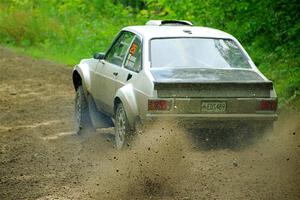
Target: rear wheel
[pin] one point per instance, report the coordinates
(249, 133)
(82, 118)
(262, 129)
(122, 129)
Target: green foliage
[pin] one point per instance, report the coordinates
(64, 30)
(68, 30)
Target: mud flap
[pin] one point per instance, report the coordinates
(98, 119)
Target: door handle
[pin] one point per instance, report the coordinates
(115, 73)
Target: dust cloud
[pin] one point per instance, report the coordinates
(151, 167)
(167, 162)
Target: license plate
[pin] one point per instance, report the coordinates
(213, 107)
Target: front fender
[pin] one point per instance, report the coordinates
(127, 96)
(83, 69)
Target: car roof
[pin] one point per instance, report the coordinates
(152, 31)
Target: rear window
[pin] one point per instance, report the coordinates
(196, 53)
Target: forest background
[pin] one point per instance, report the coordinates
(66, 31)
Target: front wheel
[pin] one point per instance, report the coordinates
(122, 129)
(82, 118)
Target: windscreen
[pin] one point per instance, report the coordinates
(196, 53)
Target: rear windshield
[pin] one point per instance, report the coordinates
(196, 53)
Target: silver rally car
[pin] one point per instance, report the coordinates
(171, 69)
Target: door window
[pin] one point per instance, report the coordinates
(134, 56)
(119, 49)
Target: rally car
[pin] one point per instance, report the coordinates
(171, 69)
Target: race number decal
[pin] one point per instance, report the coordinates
(133, 48)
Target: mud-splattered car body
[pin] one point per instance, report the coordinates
(175, 70)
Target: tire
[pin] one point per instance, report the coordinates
(82, 117)
(122, 128)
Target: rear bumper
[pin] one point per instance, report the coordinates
(215, 117)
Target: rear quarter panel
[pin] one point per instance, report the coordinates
(134, 96)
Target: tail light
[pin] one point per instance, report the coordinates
(158, 105)
(268, 105)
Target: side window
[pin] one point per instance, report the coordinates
(134, 56)
(119, 49)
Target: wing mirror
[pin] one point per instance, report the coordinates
(99, 56)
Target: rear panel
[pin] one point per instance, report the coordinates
(214, 100)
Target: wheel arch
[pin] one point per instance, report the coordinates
(81, 77)
(77, 80)
(126, 96)
(117, 101)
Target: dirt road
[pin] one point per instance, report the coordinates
(41, 157)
